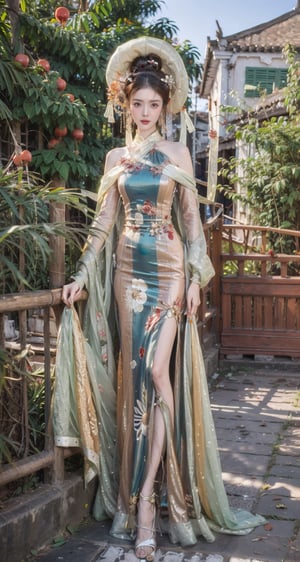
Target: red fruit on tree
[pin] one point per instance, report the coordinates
(52, 143)
(78, 134)
(17, 160)
(61, 84)
(22, 59)
(60, 131)
(26, 156)
(44, 63)
(71, 97)
(62, 14)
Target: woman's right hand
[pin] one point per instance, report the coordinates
(71, 293)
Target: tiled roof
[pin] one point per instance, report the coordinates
(268, 36)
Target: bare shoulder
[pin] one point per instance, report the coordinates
(113, 157)
(178, 153)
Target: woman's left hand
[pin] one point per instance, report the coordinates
(193, 299)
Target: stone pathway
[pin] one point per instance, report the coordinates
(116, 554)
(257, 418)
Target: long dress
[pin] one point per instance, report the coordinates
(148, 228)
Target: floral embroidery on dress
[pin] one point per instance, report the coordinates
(162, 227)
(137, 295)
(158, 170)
(101, 326)
(131, 165)
(140, 418)
(147, 208)
(104, 354)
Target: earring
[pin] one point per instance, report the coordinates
(162, 124)
(128, 128)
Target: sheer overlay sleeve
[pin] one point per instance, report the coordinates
(199, 264)
(200, 268)
(99, 232)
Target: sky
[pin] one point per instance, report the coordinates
(196, 19)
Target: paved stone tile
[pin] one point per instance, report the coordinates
(242, 434)
(294, 548)
(75, 550)
(285, 486)
(261, 545)
(285, 471)
(237, 484)
(292, 433)
(287, 460)
(253, 426)
(234, 559)
(264, 415)
(113, 554)
(249, 465)
(289, 448)
(273, 505)
(242, 447)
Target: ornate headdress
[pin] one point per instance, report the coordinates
(173, 69)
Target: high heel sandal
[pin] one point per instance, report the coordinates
(150, 542)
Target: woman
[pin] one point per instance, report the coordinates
(148, 220)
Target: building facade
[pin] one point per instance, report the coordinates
(237, 69)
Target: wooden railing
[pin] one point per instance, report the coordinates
(260, 311)
(51, 458)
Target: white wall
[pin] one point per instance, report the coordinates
(228, 87)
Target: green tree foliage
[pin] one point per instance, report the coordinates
(269, 177)
(77, 52)
(32, 108)
(25, 223)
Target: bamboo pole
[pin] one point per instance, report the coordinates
(28, 466)
(47, 375)
(2, 335)
(57, 243)
(37, 299)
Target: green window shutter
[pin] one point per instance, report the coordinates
(258, 79)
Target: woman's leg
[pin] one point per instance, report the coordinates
(163, 388)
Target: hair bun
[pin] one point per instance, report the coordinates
(146, 63)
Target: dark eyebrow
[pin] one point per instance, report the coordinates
(138, 99)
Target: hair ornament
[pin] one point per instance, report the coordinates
(116, 100)
(141, 63)
(169, 80)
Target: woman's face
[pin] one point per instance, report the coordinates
(145, 107)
